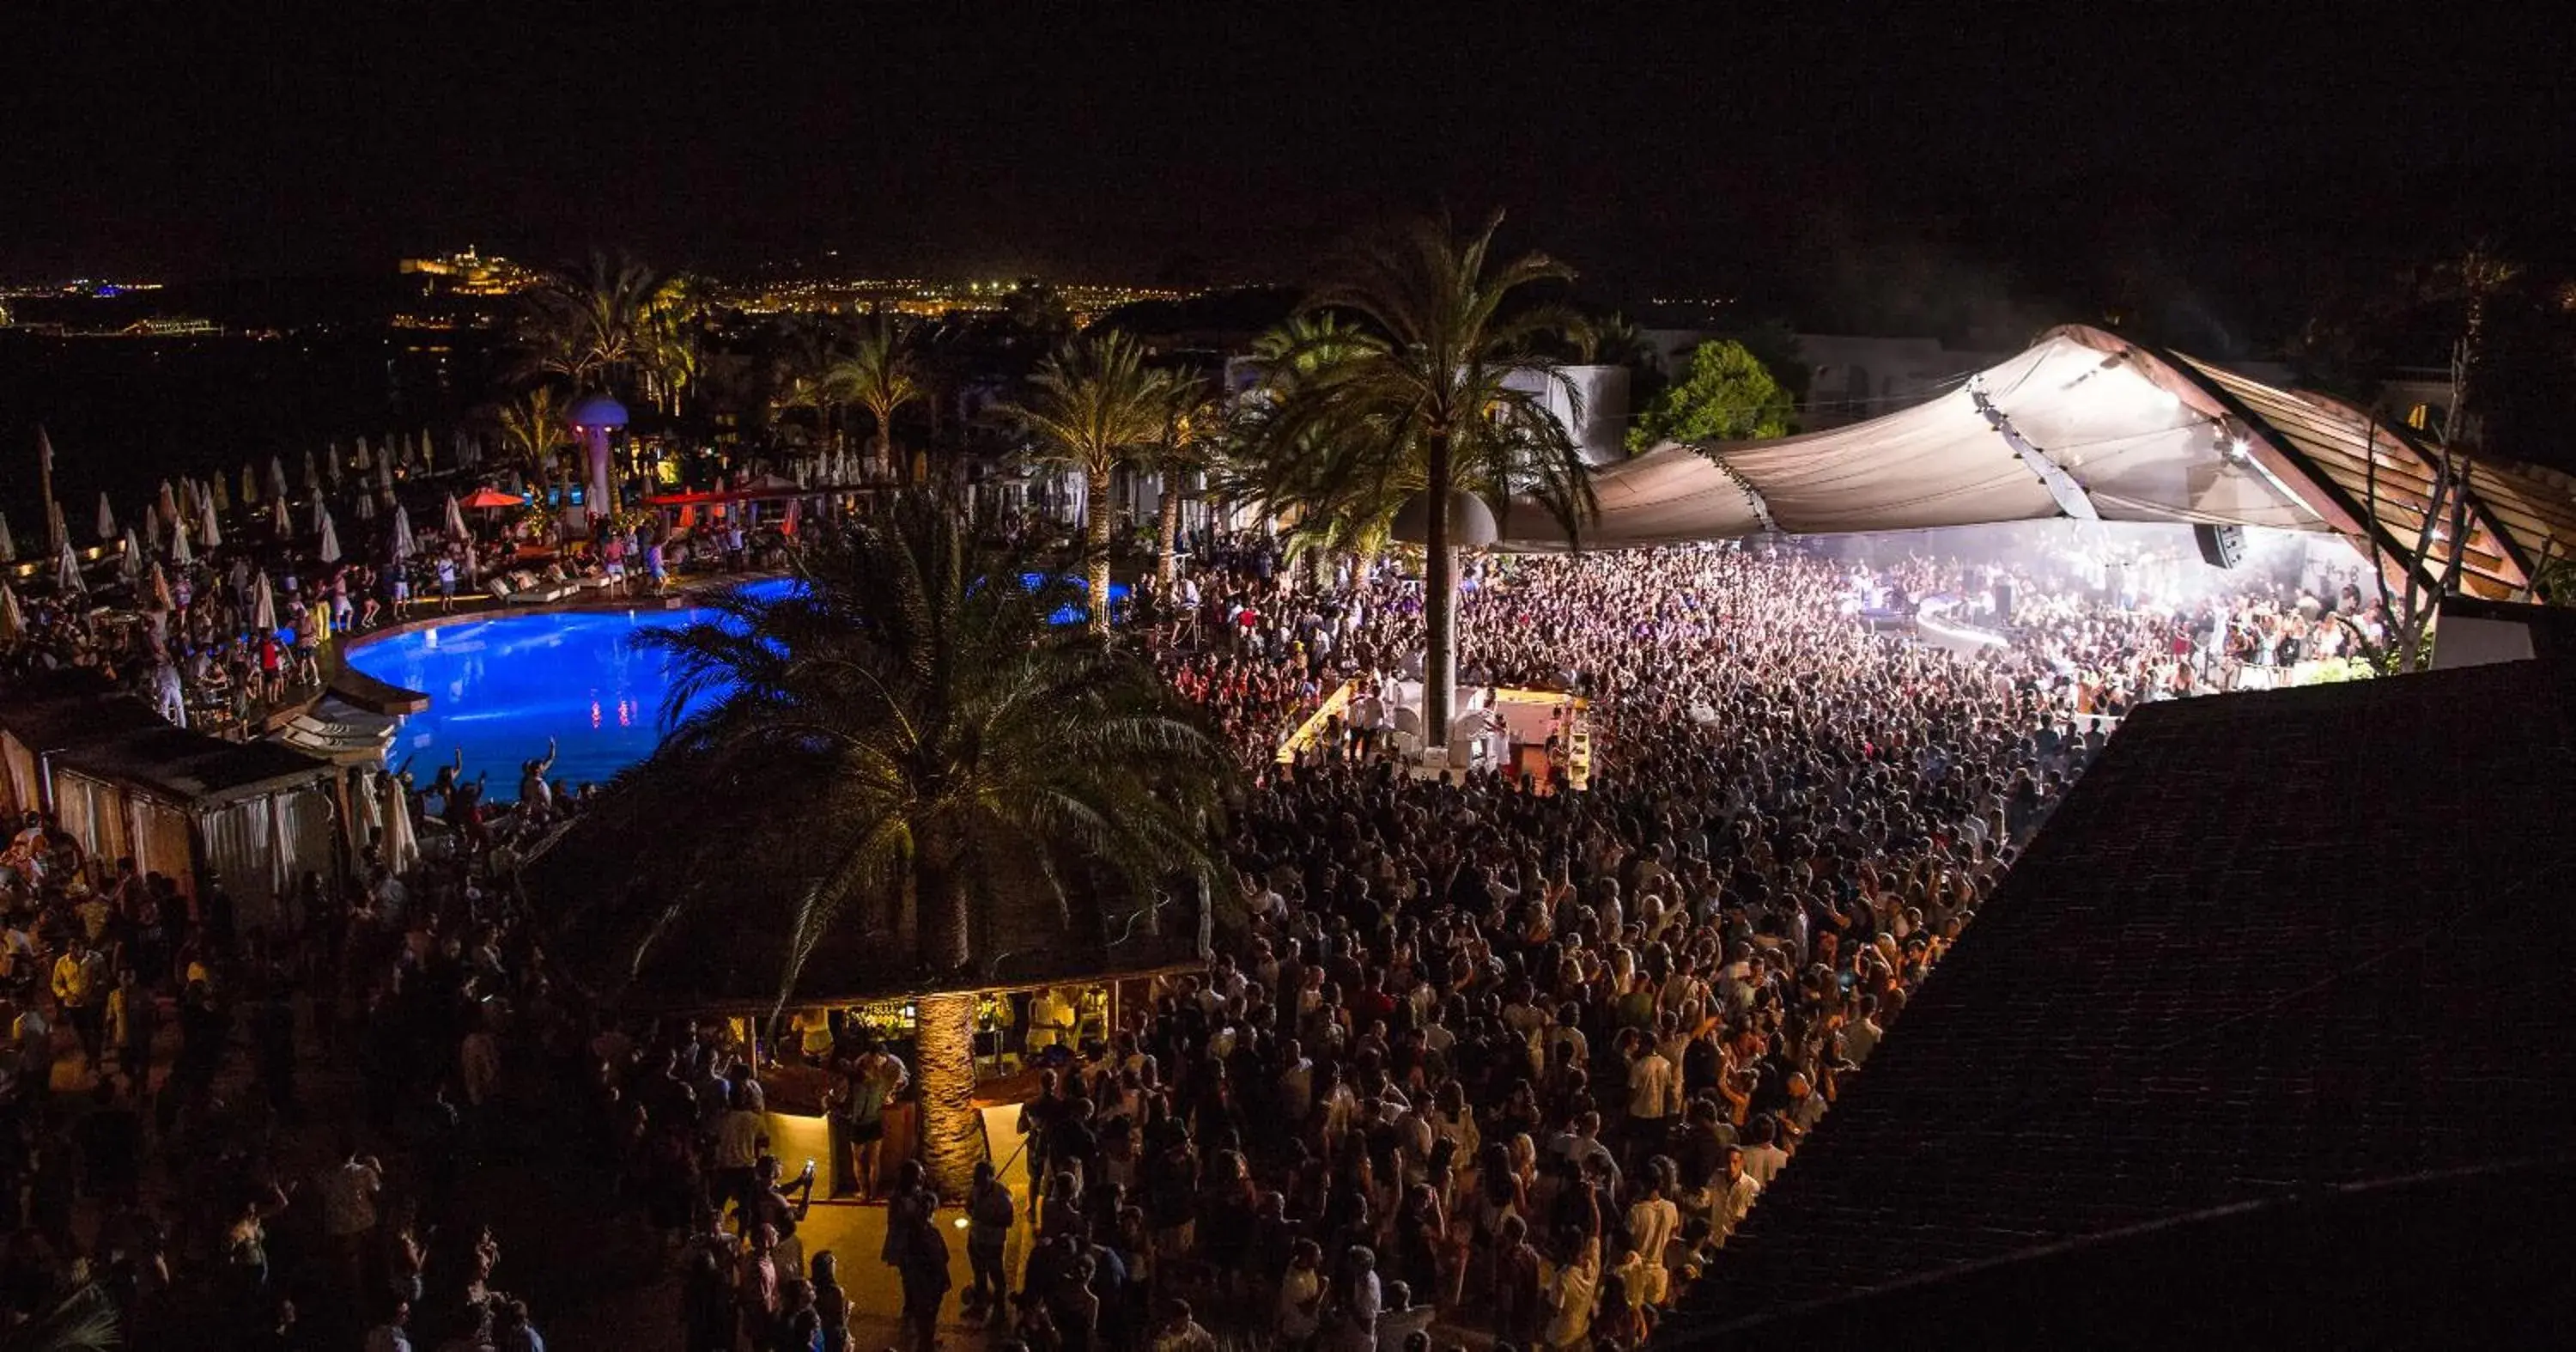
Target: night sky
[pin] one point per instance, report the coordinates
(2072, 158)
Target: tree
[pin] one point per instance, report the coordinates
(877, 376)
(1193, 426)
(599, 327)
(807, 370)
(917, 727)
(1419, 403)
(1728, 395)
(1096, 404)
(533, 429)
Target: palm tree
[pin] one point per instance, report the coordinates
(878, 377)
(1193, 428)
(916, 726)
(1096, 403)
(806, 371)
(1420, 403)
(597, 326)
(533, 429)
(84, 1320)
(1276, 471)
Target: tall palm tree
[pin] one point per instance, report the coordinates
(1279, 471)
(1421, 401)
(805, 372)
(532, 430)
(1194, 427)
(597, 326)
(1096, 404)
(877, 375)
(910, 724)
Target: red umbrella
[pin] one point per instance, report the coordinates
(491, 497)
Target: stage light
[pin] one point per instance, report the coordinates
(2237, 446)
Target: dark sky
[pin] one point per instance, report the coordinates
(2077, 150)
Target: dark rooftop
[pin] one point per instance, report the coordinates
(2272, 946)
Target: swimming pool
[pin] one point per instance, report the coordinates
(499, 687)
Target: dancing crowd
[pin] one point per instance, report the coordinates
(1476, 1056)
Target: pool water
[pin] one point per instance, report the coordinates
(499, 687)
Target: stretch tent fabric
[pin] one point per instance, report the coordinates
(2088, 425)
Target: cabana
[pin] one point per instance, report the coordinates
(259, 815)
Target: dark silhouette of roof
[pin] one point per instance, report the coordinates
(2272, 946)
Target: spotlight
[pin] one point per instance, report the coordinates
(2237, 446)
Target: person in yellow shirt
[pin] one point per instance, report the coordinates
(80, 986)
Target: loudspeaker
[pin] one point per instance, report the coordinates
(2003, 600)
(2220, 546)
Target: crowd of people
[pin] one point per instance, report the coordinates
(1475, 1054)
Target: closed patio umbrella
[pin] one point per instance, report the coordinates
(428, 451)
(179, 552)
(67, 573)
(263, 603)
(8, 543)
(161, 589)
(366, 506)
(321, 513)
(276, 478)
(209, 534)
(329, 551)
(385, 471)
(167, 503)
(133, 561)
(402, 534)
(312, 474)
(401, 844)
(106, 520)
(250, 485)
(366, 804)
(362, 460)
(455, 518)
(331, 465)
(216, 494)
(13, 621)
(277, 518)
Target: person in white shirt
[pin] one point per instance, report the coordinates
(1654, 1094)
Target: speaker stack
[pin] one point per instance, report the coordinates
(2220, 546)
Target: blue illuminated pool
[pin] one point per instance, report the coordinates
(498, 688)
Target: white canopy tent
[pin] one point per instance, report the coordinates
(2089, 426)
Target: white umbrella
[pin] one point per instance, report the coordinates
(209, 534)
(263, 603)
(312, 475)
(161, 589)
(401, 846)
(216, 494)
(133, 556)
(402, 534)
(362, 455)
(187, 499)
(331, 466)
(366, 810)
(455, 518)
(428, 451)
(8, 543)
(250, 485)
(366, 506)
(106, 520)
(321, 513)
(385, 470)
(67, 574)
(276, 478)
(167, 504)
(13, 621)
(277, 517)
(180, 554)
(329, 552)
(56, 531)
